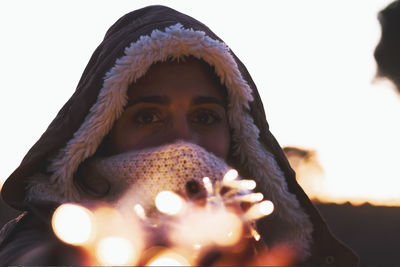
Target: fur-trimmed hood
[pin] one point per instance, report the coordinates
(130, 47)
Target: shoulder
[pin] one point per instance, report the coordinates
(8, 228)
(29, 239)
(21, 235)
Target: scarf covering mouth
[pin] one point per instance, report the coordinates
(141, 174)
(136, 41)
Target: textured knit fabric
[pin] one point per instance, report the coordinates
(135, 42)
(145, 173)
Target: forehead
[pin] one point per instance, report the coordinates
(177, 78)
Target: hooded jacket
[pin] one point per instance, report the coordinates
(135, 42)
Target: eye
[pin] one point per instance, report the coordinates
(146, 117)
(206, 117)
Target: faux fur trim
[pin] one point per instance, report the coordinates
(175, 42)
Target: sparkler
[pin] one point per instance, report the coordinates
(182, 223)
(230, 175)
(208, 185)
(139, 210)
(252, 197)
(259, 210)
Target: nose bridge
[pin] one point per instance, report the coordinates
(180, 127)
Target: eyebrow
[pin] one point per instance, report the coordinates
(165, 100)
(208, 100)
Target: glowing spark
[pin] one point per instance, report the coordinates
(248, 184)
(169, 259)
(242, 184)
(208, 185)
(228, 229)
(215, 226)
(253, 197)
(72, 224)
(231, 175)
(266, 207)
(259, 210)
(255, 234)
(140, 211)
(115, 251)
(169, 203)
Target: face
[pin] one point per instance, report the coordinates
(174, 101)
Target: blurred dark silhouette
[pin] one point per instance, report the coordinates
(372, 231)
(380, 226)
(387, 52)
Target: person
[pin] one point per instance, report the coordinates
(386, 52)
(162, 100)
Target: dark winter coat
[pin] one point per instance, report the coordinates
(130, 46)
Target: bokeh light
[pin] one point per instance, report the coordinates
(169, 203)
(140, 212)
(241, 184)
(115, 250)
(228, 229)
(201, 227)
(208, 185)
(255, 234)
(72, 224)
(169, 258)
(231, 175)
(248, 184)
(259, 210)
(252, 197)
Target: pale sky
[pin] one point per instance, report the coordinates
(311, 60)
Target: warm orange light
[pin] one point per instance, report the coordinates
(184, 233)
(119, 227)
(228, 229)
(259, 210)
(115, 250)
(231, 175)
(255, 234)
(200, 227)
(241, 184)
(266, 207)
(169, 259)
(212, 226)
(252, 197)
(139, 210)
(169, 203)
(208, 185)
(248, 184)
(72, 224)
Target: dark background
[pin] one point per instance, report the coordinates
(373, 232)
